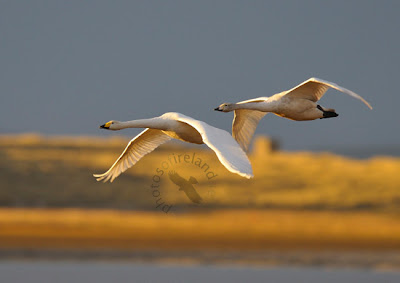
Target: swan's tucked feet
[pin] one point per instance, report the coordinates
(327, 113)
(298, 103)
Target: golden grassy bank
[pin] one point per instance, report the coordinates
(57, 172)
(222, 229)
(295, 200)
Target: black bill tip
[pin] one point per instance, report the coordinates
(217, 109)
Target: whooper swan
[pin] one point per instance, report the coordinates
(178, 126)
(298, 103)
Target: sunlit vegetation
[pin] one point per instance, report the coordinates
(57, 172)
(295, 200)
(221, 229)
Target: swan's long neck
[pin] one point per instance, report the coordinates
(153, 123)
(264, 106)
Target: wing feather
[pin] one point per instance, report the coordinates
(244, 125)
(139, 146)
(258, 99)
(314, 88)
(229, 153)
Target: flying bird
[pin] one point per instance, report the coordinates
(298, 103)
(186, 186)
(178, 126)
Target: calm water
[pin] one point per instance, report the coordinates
(70, 271)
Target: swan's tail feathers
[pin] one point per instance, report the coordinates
(327, 113)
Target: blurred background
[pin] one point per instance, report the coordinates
(326, 193)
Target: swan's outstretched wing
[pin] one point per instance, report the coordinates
(258, 99)
(244, 125)
(314, 88)
(139, 146)
(225, 147)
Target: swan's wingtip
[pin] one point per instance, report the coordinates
(367, 103)
(247, 175)
(99, 177)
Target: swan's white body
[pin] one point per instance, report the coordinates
(175, 125)
(298, 103)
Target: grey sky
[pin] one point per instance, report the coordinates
(68, 66)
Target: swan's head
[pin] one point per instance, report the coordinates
(225, 107)
(112, 125)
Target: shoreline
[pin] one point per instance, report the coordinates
(217, 232)
(372, 260)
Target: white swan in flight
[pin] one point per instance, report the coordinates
(178, 126)
(298, 103)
